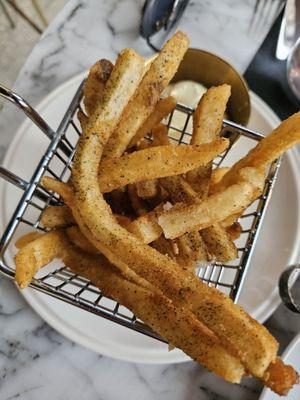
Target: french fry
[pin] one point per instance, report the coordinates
(95, 83)
(234, 230)
(37, 254)
(62, 188)
(192, 247)
(216, 175)
(145, 98)
(219, 244)
(83, 119)
(57, 217)
(207, 125)
(179, 327)
(146, 228)
(286, 135)
(179, 189)
(137, 203)
(147, 189)
(160, 135)
(155, 162)
(77, 238)
(27, 238)
(162, 109)
(215, 208)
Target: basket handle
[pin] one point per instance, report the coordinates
(27, 109)
(285, 290)
(38, 121)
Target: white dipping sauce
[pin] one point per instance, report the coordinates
(187, 93)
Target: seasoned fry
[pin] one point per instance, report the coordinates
(95, 83)
(57, 217)
(136, 202)
(146, 228)
(219, 243)
(38, 253)
(147, 189)
(286, 135)
(180, 328)
(207, 125)
(62, 188)
(192, 246)
(145, 98)
(215, 208)
(27, 238)
(280, 377)
(179, 189)
(162, 109)
(234, 230)
(77, 238)
(156, 162)
(216, 175)
(83, 119)
(160, 135)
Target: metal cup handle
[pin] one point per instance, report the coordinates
(285, 290)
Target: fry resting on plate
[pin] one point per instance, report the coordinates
(144, 254)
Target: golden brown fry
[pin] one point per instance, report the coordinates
(77, 238)
(57, 217)
(192, 246)
(162, 109)
(137, 203)
(207, 125)
(286, 135)
(280, 377)
(95, 83)
(160, 135)
(123, 220)
(147, 189)
(179, 189)
(180, 328)
(231, 219)
(156, 162)
(83, 119)
(216, 175)
(161, 71)
(146, 228)
(250, 341)
(27, 238)
(234, 230)
(62, 188)
(219, 243)
(215, 208)
(38, 253)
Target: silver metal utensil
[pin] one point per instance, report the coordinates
(287, 33)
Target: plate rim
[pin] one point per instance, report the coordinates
(54, 320)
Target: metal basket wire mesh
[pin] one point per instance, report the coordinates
(59, 281)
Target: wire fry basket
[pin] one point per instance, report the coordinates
(57, 280)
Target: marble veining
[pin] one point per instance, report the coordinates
(35, 361)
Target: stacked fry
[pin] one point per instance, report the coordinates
(140, 213)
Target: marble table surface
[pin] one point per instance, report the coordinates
(35, 361)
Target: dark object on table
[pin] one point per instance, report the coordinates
(285, 290)
(158, 14)
(266, 76)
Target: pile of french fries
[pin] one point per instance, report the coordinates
(139, 213)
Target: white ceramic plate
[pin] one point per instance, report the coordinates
(276, 249)
(290, 356)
